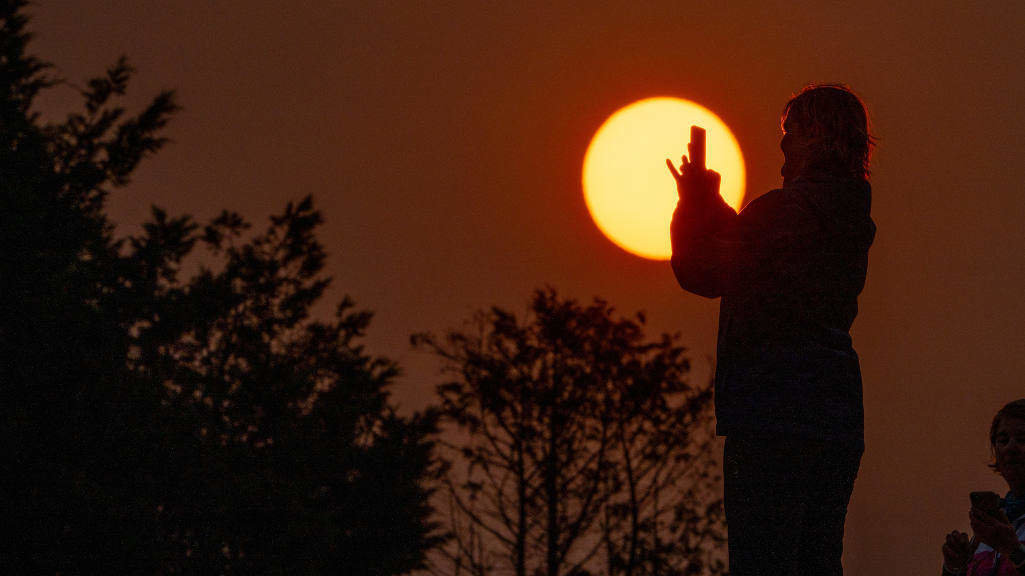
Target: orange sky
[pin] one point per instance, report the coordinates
(444, 145)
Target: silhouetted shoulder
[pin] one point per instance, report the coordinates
(763, 202)
(773, 213)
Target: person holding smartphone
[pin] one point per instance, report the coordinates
(788, 392)
(998, 547)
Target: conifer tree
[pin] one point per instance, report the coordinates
(158, 421)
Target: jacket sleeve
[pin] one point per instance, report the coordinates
(703, 246)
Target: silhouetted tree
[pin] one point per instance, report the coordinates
(579, 447)
(75, 422)
(161, 422)
(306, 467)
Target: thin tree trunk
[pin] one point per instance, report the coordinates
(521, 527)
(634, 506)
(552, 497)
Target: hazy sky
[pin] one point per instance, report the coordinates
(444, 140)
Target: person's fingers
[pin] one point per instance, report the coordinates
(672, 168)
(951, 555)
(982, 517)
(998, 516)
(958, 546)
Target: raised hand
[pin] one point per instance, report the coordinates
(995, 531)
(695, 185)
(958, 551)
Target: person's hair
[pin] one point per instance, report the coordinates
(1016, 410)
(835, 119)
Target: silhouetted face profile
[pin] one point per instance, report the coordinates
(825, 131)
(1009, 448)
(797, 148)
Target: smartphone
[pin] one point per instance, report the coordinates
(988, 502)
(696, 148)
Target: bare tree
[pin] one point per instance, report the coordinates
(577, 447)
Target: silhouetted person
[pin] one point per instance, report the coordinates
(788, 395)
(998, 548)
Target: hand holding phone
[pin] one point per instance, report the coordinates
(991, 526)
(695, 184)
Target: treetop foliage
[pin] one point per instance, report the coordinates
(581, 446)
(173, 406)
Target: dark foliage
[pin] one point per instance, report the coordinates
(158, 421)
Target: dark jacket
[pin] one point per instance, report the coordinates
(789, 269)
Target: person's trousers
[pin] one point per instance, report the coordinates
(786, 502)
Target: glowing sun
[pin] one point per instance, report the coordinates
(629, 192)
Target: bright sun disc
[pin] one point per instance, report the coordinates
(628, 188)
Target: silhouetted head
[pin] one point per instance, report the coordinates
(825, 129)
(1007, 442)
